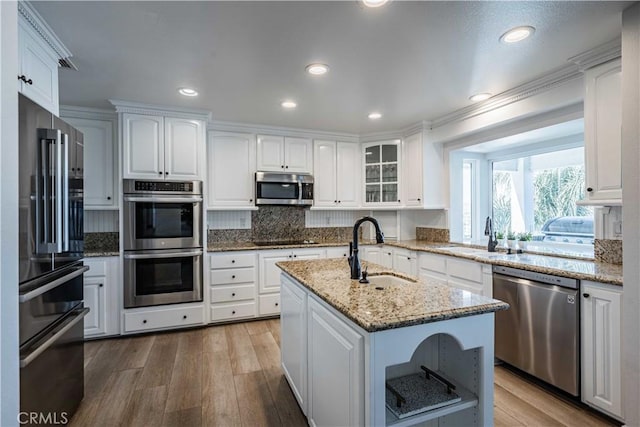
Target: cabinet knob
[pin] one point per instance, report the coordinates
(295, 256)
(233, 294)
(166, 173)
(286, 167)
(233, 312)
(339, 201)
(250, 200)
(100, 285)
(233, 261)
(276, 304)
(409, 258)
(144, 321)
(398, 200)
(418, 199)
(335, 201)
(159, 173)
(282, 166)
(108, 197)
(289, 256)
(184, 317)
(589, 189)
(24, 79)
(233, 276)
(73, 169)
(586, 295)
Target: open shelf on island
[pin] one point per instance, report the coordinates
(468, 400)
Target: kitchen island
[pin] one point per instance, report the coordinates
(344, 344)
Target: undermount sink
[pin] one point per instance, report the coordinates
(384, 280)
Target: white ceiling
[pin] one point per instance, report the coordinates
(411, 61)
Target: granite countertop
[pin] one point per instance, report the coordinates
(565, 267)
(395, 306)
(250, 246)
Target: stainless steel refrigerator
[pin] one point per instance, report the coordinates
(50, 251)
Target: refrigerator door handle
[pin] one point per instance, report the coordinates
(48, 218)
(70, 323)
(28, 296)
(59, 219)
(64, 195)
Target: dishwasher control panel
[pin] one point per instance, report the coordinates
(565, 282)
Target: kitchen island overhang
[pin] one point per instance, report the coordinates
(342, 341)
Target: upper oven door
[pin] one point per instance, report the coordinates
(162, 222)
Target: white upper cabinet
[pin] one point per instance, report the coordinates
(336, 176)
(231, 167)
(99, 169)
(412, 170)
(422, 170)
(381, 167)
(159, 147)
(602, 134)
(284, 154)
(38, 68)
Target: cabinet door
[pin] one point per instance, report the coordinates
(386, 257)
(412, 170)
(601, 352)
(271, 153)
(298, 155)
(39, 66)
(324, 160)
(231, 167)
(143, 146)
(336, 370)
(269, 272)
(382, 173)
(98, 156)
(341, 252)
(183, 148)
(293, 339)
(308, 254)
(95, 299)
(371, 254)
(404, 261)
(348, 185)
(602, 136)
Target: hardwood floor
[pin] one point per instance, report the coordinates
(230, 375)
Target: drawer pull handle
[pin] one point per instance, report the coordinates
(233, 294)
(144, 321)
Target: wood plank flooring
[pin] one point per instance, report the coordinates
(230, 375)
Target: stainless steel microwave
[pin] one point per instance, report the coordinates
(274, 188)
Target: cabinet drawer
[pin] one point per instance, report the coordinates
(96, 268)
(433, 263)
(171, 317)
(233, 275)
(467, 270)
(233, 311)
(269, 304)
(474, 287)
(232, 260)
(232, 293)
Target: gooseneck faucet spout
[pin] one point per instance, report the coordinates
(488, 231)
(354, 260)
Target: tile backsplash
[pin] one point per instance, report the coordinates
(433, 234)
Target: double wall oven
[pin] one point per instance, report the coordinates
(163, 248)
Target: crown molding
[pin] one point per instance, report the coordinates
(598, 55)
(396, 134)
(224, 126)
(551, 80)
(87, 113)
(158, 110)
(40, 26)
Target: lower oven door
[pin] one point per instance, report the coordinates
(162, 277)
(52, 372)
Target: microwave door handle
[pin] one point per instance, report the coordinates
(300, 192)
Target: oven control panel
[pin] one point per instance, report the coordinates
(186, 187)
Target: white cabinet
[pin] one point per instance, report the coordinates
(231, 167)
(284, 154)
(338, 252)
(405, 261)
(335, 371)
(270, 273)
(293, 339)
(163, 317)
(381, 172)
(38, 68)
(101, 286)
(232, 290)
(161, 147)
(601, 347)
(461, 273)
(378, 254)
(337, 177)
(422, 173)
(602, 133)
(432, 268)
(100, 176)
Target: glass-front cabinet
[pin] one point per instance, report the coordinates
(382, 172)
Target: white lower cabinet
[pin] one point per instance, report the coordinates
(601, 347)
(379, 254)
(156, 318)
(338, 252)
(269, 304)
(101, 284)
(465, 274)
(293, 339)
(232, 290)
(405, 261)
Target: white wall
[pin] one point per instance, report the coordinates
(631, 213)
(9, 380)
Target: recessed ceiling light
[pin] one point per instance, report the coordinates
(517, 34)
(374, 116)
(289, 104)
(374, 3)
(187, 91)
(480, 97)
(317, 69)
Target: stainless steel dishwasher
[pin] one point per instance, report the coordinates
(540, 333)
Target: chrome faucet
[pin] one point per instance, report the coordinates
(354, 262)
(488, 231)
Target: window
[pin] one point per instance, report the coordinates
(538, 194)
(467, 199)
